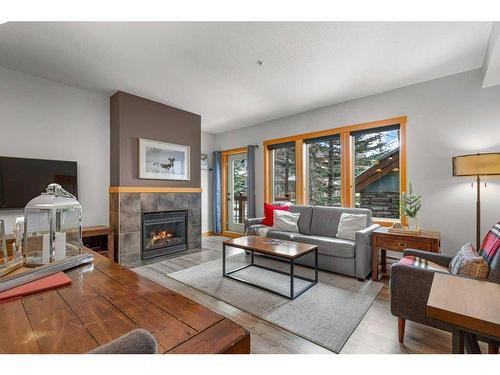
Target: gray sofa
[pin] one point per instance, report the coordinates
(318, 226)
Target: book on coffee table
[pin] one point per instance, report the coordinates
(53, 281)
(273, 241)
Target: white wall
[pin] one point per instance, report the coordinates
(446, 117)
(47, 120)
(207, 147)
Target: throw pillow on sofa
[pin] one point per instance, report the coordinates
(349, 224)
(286, 221)
(268, 213)
(469, 263)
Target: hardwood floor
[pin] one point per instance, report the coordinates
(376, 333)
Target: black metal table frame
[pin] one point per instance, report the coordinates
(292, 275)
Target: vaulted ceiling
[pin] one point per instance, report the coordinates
(211, 68)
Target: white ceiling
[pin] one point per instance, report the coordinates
(211, 68)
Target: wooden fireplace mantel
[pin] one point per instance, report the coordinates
(146, 189)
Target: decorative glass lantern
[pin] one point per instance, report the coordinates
(19, 235)
(52, 227)
(8, 262)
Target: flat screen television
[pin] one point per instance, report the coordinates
(22, 179)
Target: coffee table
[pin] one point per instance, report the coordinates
(287, 251)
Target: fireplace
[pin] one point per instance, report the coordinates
(163, 233)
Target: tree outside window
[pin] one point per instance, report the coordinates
(283, 166)
(376, 170)
(324, 184)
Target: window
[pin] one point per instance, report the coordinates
(282, 161)
(376, 170)
(323, 171)
(360, 165)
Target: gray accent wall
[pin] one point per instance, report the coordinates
(131, 118)
(446, 117)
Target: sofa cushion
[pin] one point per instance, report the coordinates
(349, 224)
(333, 247)
(286, 221)
(281, 235)
(268, 212)
(304, 223)
(325, 220)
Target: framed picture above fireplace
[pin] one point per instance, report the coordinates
(163, 161)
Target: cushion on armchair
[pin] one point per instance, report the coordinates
(469, 263)
(422, 263)
(490, 251)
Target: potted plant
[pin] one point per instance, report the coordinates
(410, 204)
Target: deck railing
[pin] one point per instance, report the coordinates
(240, 205)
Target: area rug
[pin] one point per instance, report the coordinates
(327, 314)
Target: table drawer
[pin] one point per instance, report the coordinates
(402, 244)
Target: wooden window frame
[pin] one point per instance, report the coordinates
(346, 161)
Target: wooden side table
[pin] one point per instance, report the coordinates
(100, 238)
(383, 240)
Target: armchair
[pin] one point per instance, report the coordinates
(410, 288)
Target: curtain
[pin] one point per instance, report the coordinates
(251, 180)
(216, 195)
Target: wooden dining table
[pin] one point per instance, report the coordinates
(471, 306)
(105, 301)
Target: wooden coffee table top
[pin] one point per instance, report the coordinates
(105, 301)
(285, 249)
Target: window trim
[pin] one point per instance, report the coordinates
(346, 160)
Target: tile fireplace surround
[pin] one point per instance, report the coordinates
(126, 209)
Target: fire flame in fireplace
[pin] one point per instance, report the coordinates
(161, 234)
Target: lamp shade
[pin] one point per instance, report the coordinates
(486, 164)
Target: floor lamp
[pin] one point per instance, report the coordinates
(487, 164)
